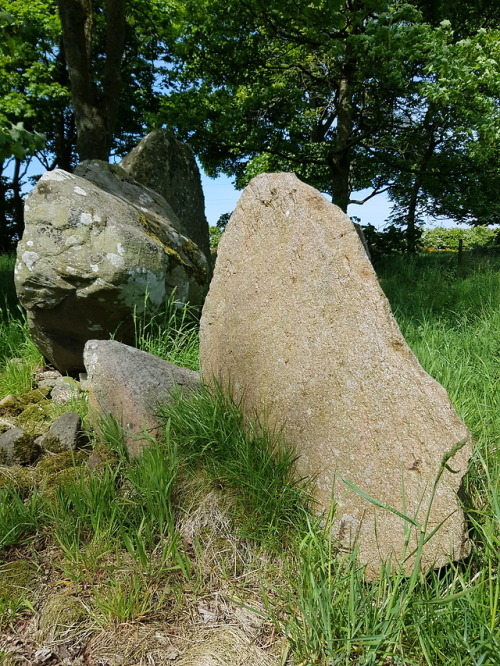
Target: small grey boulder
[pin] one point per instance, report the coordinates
(64, 434)
(18, 448)
(130, 384)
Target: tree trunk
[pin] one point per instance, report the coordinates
(5, 244)
(64, 122)
(340, 156)
(95, 109)
(17, 202)
(412, 232)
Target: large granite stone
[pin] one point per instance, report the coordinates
(90, 259)
(298, 328)
(168, 167)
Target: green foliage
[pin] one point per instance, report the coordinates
(19, 517)
(215, 236)
(18, 354)
(384, 97)
(442, 238)
(391, 240)
(28, 76)
(18, 142)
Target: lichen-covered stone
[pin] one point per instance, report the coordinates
(296, 326)
(168, 166)
(64, 390)
(89, 261)
(18, 448)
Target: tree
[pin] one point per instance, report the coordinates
(349, 94)
(95, 102)
(111, 49)
(26, 47)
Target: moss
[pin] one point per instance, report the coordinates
(53, 444)
(59, 470)
(148, 227)
(25, 451)
(193, 252)
(10, 405)
(102, 456)
(35, 418)
(50, 465)
(58, 614)
(36, 395)
(23, 479)
(19, 581)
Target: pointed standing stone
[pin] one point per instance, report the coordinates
(297, 325)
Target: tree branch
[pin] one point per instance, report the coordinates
(370, 196)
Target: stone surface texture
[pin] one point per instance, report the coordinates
(168, 166)
(116, 181)
(296, 324)
(89, 259)
(65, 434)
(130, 384)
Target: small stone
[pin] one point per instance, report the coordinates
(17, 447)
(64, 434)
(47, 375)
(64, 390)
(47, 382)
(130, 384)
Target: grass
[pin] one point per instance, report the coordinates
(18, 354)
(213, 508)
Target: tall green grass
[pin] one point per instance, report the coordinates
(212, 436)
(171, 333)
(18, 354)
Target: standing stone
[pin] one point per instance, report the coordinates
(168, 166)
(296, 324)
